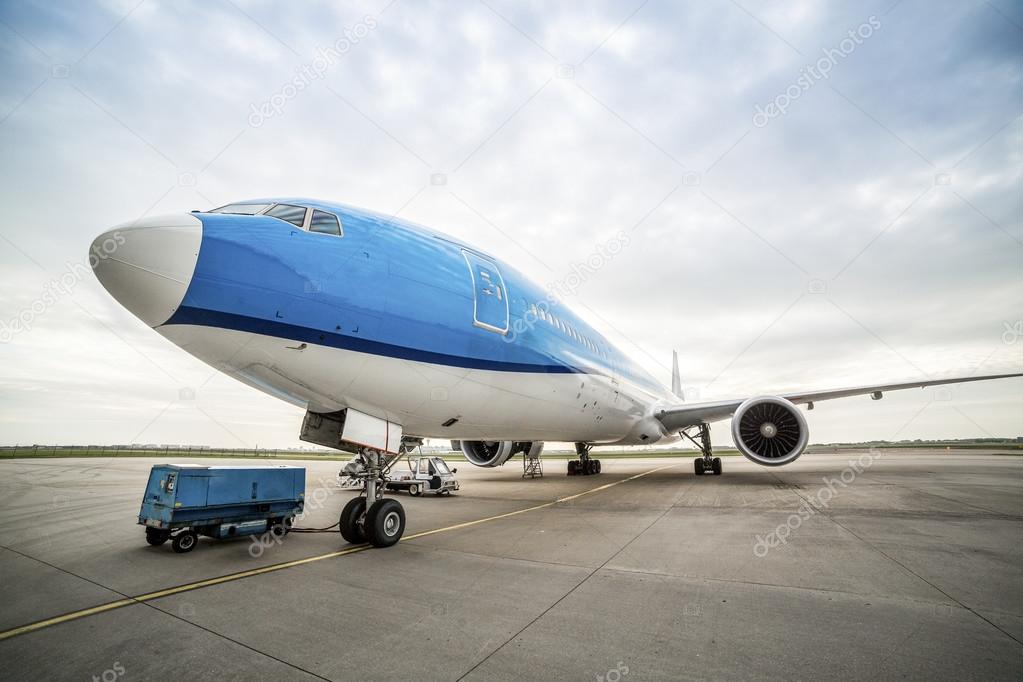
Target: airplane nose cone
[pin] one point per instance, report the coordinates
(148, 264)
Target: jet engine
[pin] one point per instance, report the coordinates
(769, 430)
(494, 453)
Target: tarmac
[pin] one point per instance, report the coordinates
(902, 564)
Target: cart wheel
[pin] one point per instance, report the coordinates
(414, 490)
(385, 522)
(157, 536)
(351, 531)
(185, 541)
(281, 527)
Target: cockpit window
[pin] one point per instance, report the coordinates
(241, 209)
(319, 221)
(288, 213)
(324, 222)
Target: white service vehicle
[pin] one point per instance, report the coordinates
(425, 474)
(350, 474)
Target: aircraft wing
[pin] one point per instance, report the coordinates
(680, 416)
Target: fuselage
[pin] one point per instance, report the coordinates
(404, 323)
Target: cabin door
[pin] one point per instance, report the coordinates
(490, 298)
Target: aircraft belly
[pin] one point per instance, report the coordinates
(420, 396)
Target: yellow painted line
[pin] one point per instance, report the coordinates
(230, 577)
(529, 509)
(149, 596)
(75, 615)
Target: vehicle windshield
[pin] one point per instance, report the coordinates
(441, 465)
(241, 209)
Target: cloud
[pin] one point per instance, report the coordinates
(894, 184)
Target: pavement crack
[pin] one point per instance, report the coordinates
(800, 588)
(167, 613)
(481, 555)
(826, 513)
(566, 595)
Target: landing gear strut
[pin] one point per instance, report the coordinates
(372, 518)
(707, 464)
(584, 466)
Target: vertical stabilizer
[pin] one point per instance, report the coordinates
(676, 380)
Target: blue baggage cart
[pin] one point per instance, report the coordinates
(184, 501)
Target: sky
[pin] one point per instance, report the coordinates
(817, 195)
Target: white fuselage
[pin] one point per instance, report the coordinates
(489, 405)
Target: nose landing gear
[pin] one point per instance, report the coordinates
(372, 518)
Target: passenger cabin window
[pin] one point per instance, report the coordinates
(241, 209)
(326, 223)
(288, 213)
(541, 313)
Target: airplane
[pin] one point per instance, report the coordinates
(386, 333)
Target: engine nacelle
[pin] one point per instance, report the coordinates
(494, 453)
(769, 430)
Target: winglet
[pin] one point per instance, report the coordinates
(676, 380)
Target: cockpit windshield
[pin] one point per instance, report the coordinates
(303, 217)
(289, 214)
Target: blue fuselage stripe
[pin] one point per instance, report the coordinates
(211, 318)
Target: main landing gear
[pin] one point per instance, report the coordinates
(584, 466)
(371, 517)
(707, 464)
